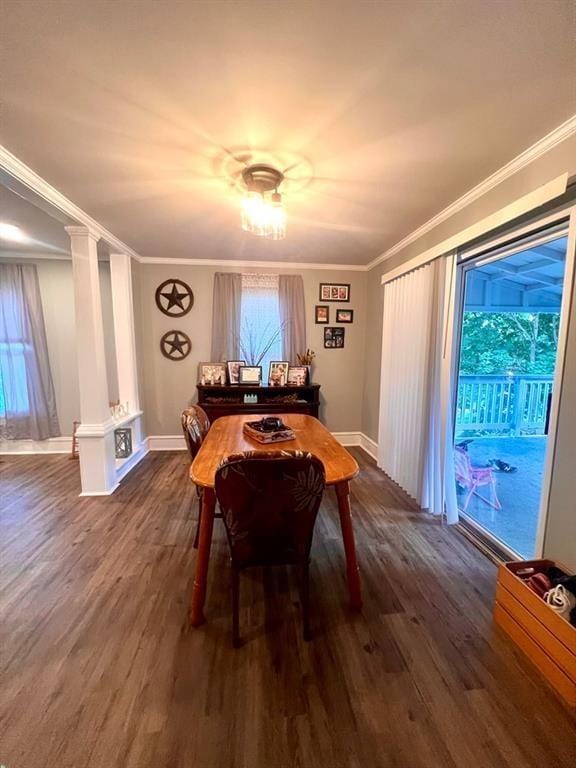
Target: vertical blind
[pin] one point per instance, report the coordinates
(415, 436)
(408, 308)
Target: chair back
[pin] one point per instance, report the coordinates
(269, 502)
(195, 425)
(462, 467)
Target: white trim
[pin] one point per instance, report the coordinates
(541, 147)
(22, 447)
(87, 494)
(99, 430)
(566, 310)
(519, 207)
(124, 466)
(26, 176)
(166, 443)
(231, 263)
(369, 446)
(56, 256)
(349, 439)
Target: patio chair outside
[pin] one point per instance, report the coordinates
(471, 478)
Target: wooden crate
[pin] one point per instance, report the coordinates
(546, 638)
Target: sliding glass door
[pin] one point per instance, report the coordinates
(509, 335)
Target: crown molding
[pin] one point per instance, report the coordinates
(32, 255)
(26, 176)
(541, 147)
(231, 263)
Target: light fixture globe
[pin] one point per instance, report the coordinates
(263, 213)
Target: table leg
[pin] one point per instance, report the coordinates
(203, 558)
(352, 571)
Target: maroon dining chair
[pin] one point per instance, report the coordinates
(269, 501)
(195, 425)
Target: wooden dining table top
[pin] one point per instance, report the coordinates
(226, 437)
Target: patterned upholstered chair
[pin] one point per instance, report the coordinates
(195, 425)
(269, 502)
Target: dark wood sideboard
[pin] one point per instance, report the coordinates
(228, 400)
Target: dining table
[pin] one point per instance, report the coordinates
(226, 437)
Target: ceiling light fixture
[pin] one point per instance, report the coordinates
(262, 210)
(12, 232)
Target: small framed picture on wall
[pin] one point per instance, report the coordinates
(334, 338)
(344, 315)
(322, 314)
(334, 291)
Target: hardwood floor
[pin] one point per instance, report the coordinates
(99, 669)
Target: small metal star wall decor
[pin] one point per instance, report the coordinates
(174, 297)
(175, 345)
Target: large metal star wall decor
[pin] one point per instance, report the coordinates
(175, 345)
(174, 297)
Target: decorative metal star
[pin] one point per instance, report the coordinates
(175, 345)
(174, 298)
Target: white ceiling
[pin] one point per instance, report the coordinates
(391, 109)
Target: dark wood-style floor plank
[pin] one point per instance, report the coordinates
(100, 670)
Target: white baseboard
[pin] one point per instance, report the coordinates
(369, 445)
(88, 494)
(349, 439)
(166, 443)
(21, 447)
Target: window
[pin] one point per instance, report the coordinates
(13, 389)
(260, 324)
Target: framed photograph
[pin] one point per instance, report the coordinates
(322, 314)
(234, 370)
(278, 373)
(298, 375)
(334, 338)
(344, 315)
(250, 374)
(334, 292)
(212, 374)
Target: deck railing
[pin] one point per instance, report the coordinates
(507, 404)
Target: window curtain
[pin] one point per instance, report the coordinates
(438, 485)
(226, 316)
(292, 316)
(415, 437)
(29, 402)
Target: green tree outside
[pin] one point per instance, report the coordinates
(509, 343)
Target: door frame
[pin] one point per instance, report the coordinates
(550, 227)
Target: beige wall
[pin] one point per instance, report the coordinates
(168, 386)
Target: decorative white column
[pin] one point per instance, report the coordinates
(124, 335)
(126, 361)
(95, 433)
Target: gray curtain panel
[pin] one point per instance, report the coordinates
(25, 377)
(292, 316)
(226, 316)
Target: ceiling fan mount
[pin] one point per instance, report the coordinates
(262, 178)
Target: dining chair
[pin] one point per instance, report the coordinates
(269, 502)
(195, 425)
